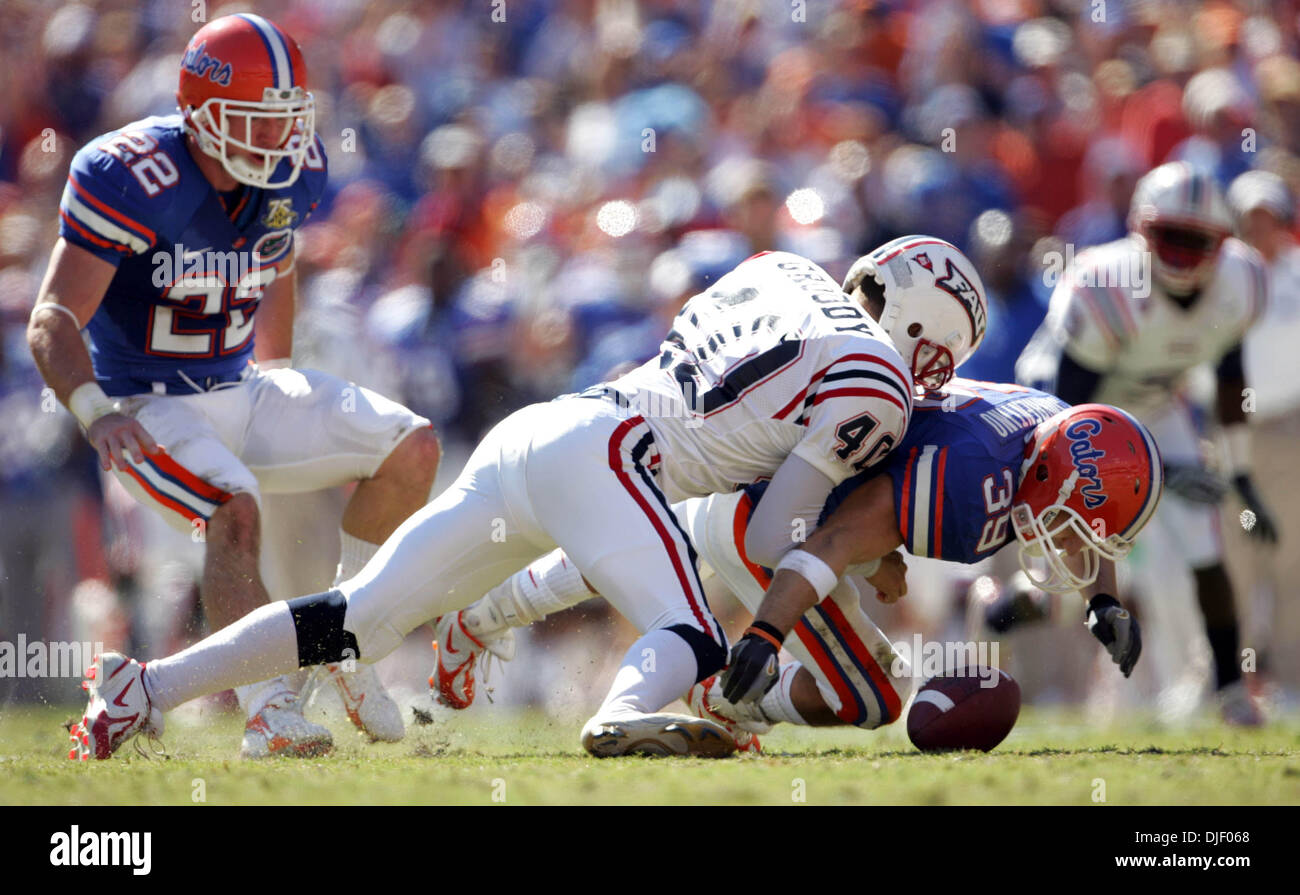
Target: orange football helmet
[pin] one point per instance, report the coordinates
(243, 93)
(1092, 470)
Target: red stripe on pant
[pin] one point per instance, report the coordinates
(203, 489)
(172, 504)
(848, 710)
(616, 464)
(893, 706)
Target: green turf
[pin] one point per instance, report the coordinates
(1049, 759)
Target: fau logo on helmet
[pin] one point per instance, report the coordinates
(956, 284)
(1084, 454)
(198, 62)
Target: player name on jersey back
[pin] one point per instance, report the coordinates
(772, 359)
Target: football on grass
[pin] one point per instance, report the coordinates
(972, 708)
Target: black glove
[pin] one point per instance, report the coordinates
(752, 668)
(1195, 483)
(1118, 631)
(1265, 529)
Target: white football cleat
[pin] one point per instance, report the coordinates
(458, 650)
(367, 703)
(663, 733)
(119, 708)
(705, 699)
(280, 729)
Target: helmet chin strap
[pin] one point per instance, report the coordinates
(1067, 487)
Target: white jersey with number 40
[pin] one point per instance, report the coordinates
(772, 359)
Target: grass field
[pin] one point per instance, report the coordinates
(482, 757)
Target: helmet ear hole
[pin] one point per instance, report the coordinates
(1041, 473)
(915, 330)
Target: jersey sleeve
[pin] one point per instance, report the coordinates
(953, 501)
(1246, 274)
(105, 209)
(1089, 322)
(855, 414)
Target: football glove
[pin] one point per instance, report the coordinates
(1194, 483)
(1264, 529)
(752, 667)
(1118, 631)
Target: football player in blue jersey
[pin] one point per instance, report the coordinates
(176, 256)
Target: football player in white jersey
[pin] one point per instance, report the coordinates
(928, 299)
(774, 371)
(1115, 335)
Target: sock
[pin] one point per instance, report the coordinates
(1223, 645)
(260, 646)
(776, 703)
(254, 697)
(657, 669)
(353, 556)
(545, 586)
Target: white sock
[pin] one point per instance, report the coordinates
(254, 697)
(545, 586)
(657, 669)
(260, 646)
(776, 703)
(353, 557)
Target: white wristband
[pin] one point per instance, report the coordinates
(88, 403)
(813, 570)
(277, 363)
(1236, 448)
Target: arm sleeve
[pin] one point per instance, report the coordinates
(1232, 367)
(1075, 383)
(791, 507)
(104, 209)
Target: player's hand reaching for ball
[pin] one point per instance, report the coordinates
(752, 667)
(1118, 631)
(113, 435)
(890, 580)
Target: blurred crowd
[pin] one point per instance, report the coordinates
(523, 192)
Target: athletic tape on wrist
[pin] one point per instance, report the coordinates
(813, 570)
(88, 403)
(277, 363)
(1236, 448)
(865, 569)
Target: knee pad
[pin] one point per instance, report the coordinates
(710, 656)
(318, 621)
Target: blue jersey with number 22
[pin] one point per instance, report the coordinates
(191, 266)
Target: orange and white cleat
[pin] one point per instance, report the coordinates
(280, 730)
(458, 651)
(705, 699)
(119, 708)
(367, 703)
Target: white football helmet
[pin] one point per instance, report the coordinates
(1179, 213)
(936, 309)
